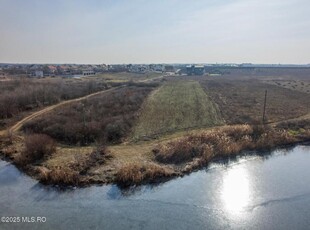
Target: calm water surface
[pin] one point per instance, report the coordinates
(252, 192)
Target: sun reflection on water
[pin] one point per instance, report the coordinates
(235, 192)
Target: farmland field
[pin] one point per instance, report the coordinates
(175, 106)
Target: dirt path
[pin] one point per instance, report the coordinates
(34, 115)
(19, 124)
(306, 116)
(151, 79)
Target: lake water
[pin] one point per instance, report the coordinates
(251, 192)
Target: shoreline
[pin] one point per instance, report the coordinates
(151, 171)
(218, 160)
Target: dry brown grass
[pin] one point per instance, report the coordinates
(242, 101)
(108, 116)
(226, 141)
(297, 85)
(295, 125)
(133, 164)
(75, 170)
(24, 94)
(125, 76)
(138, 173)
(61, 176)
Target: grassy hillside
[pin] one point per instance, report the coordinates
(176, 106)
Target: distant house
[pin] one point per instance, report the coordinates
(88, 72)
(158, 68)
(38, 73)
(52, 69)
(137, 68)
(169, 68)
(195, 70)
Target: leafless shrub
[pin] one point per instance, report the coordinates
(37, 146)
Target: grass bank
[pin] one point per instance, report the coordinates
(175, 106)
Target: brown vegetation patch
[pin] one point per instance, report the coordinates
(62, 177)
(37, 146)
(223, 142)
(138, 173)
(22, 94)
(106, 117)
(299, 128)
(297, 85)
(74, 172)
(295, 124)
(242, 101)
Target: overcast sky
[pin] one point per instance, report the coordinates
(155, 31)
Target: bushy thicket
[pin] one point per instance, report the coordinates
(106, 117)
(26, 94)
(37, 146)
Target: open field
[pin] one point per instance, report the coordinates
(241, 101)
(175, 106)
(262, 73)
(297, 85)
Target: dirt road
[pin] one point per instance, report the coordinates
(19, 124)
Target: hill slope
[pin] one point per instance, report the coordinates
(176, 106)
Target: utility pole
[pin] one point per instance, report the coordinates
(84, 120)
(264, 113)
